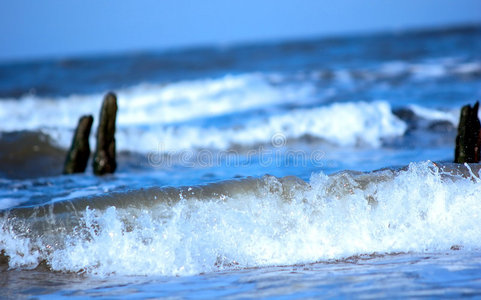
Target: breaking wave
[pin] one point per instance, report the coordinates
(249, 223)
(183, 115)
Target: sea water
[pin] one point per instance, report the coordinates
(291, 169)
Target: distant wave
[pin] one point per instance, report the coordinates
(147, 104)
(235, 110)
(346, 124)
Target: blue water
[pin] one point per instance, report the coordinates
(402, 275)
(190, 213)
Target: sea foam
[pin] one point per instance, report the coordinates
(263, 222)
(346, 124)
(147, 104)
(181, 115)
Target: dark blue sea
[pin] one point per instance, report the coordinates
(318, 168)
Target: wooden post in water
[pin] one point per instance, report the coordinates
(104, 157)
(468, 140)
(78, 155)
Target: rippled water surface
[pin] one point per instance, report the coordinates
(451, 274)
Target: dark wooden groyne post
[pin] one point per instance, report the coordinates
(79, 152)
(104, 157)
(468, 140)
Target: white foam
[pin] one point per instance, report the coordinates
(430, 69)
(344, 124)
(468, 68)
(394, 68)
(432, 114)
(147, 104)
(182, 101)
(152, 117)
(6, 203)
(341, 215)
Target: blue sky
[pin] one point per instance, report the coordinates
(59, 28)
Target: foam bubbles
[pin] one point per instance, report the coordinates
(417, 210)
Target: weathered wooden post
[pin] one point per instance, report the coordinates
(468, 140)
(79, 152)
(104, 157)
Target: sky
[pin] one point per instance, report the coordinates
(32, 29)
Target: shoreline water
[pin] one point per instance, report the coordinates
(192, 120)
(376, 275)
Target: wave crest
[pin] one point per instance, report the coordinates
(250, 223)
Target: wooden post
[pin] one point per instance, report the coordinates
(78, 155)
(468, 140)
(104, 157)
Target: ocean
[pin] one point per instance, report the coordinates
(315, 168)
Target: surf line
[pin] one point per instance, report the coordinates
(467, 149)
(104, 161)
